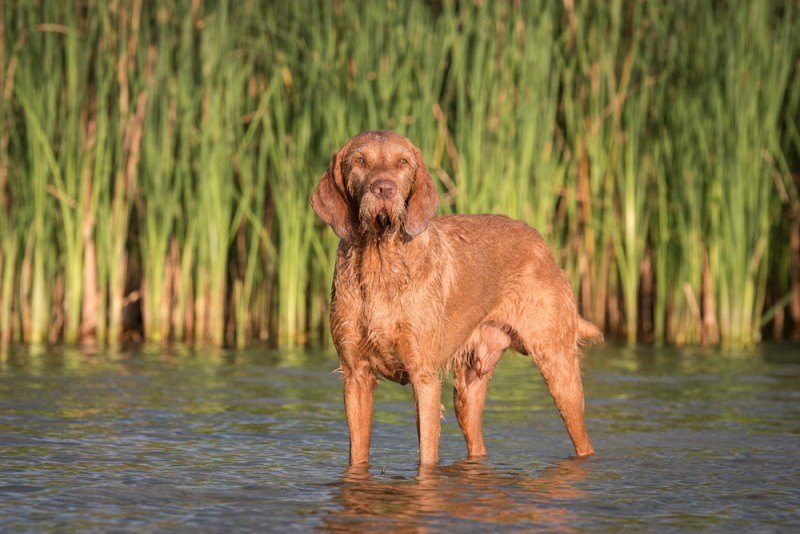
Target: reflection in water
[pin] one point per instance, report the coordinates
(471, 491)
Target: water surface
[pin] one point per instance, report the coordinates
(178, 439)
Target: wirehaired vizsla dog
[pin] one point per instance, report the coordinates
(415, 295)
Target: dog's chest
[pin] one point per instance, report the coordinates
(392, 298)
(384, 325)
(383, 322)
(384, 280)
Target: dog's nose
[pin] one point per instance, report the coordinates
(384, 189)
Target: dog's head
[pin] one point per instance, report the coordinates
(376, 184)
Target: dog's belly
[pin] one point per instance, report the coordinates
(390, 368)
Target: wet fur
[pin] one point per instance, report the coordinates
(415, 295)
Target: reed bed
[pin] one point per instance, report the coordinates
(156, 158)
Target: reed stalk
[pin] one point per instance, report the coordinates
(222, 81)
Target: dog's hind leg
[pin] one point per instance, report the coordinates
(469, 396)
(471, 380)
(562, 374)
(550, 333)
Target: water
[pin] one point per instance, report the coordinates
(154, 440)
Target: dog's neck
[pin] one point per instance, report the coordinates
(387, 263)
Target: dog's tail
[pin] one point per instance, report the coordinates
(588, 333)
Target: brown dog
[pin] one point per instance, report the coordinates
(414, 295)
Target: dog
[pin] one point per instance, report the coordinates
(416, 295)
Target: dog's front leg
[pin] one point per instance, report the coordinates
(428, 399)
(359, 395)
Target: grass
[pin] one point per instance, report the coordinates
(156, 158)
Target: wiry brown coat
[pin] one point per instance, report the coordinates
(414, 295)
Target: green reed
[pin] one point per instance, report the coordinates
(156, 158)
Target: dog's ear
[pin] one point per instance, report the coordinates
(423, 200)
(330, 202)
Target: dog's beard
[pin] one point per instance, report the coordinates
(383, 221)
(380, 217)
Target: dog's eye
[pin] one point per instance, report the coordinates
(403, 161)
(360, 160)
